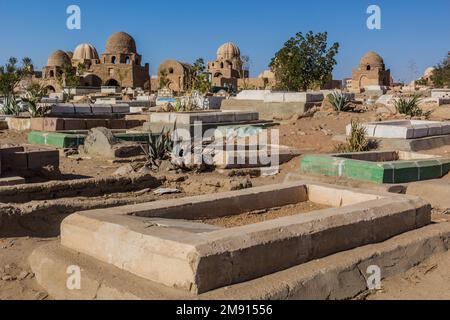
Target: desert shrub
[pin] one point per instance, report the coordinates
(357, 142)
(409, 106)
(158, 148)
(11, 107)
(340, 101)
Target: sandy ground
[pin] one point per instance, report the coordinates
(16, 279)
(312, 135)
(264, 215)
(428, 281)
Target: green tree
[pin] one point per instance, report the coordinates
(200, 77)
(441, 74)
(10, 76)
(81, 69)
(67, 78)
(304, 61)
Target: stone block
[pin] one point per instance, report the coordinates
(114, 124)
(275, 97)
(53, 124)
(63, 109)
(96, 123)
(102, 109)
(120, 108)
(40, 159)
(37, 124)
(18, 124)
(14, 161)
(83, 109)
(74, 124)
(131, 124)
(258, 95)
(11, 181)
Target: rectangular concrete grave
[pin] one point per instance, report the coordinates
(441, 93)
(71, 109)
(304, 97)
(378, 166)
(252, 156)
(20, 160)
(315, 280)
(206, 117)
(142, 240)
(269, 110)
(196, 123)
(405, 129)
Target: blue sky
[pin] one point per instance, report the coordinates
(413, 31)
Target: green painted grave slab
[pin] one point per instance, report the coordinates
(401, 171)
(68, 140)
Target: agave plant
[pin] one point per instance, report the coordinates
(339, 101)
(409, 106)
(178, 107)
(11, 107)
(158, 148)
(33, 97)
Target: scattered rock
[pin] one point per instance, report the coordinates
(41, 296)
(101, 143)
(8, 277)
(124, 170)
(141, 192)
(240, 184)
(23, 275)
(163, 191)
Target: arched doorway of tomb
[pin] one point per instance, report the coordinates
(112, 83)
(50, 89)
(91, 80)
(363, 82)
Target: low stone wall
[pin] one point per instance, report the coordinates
(76, 188)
